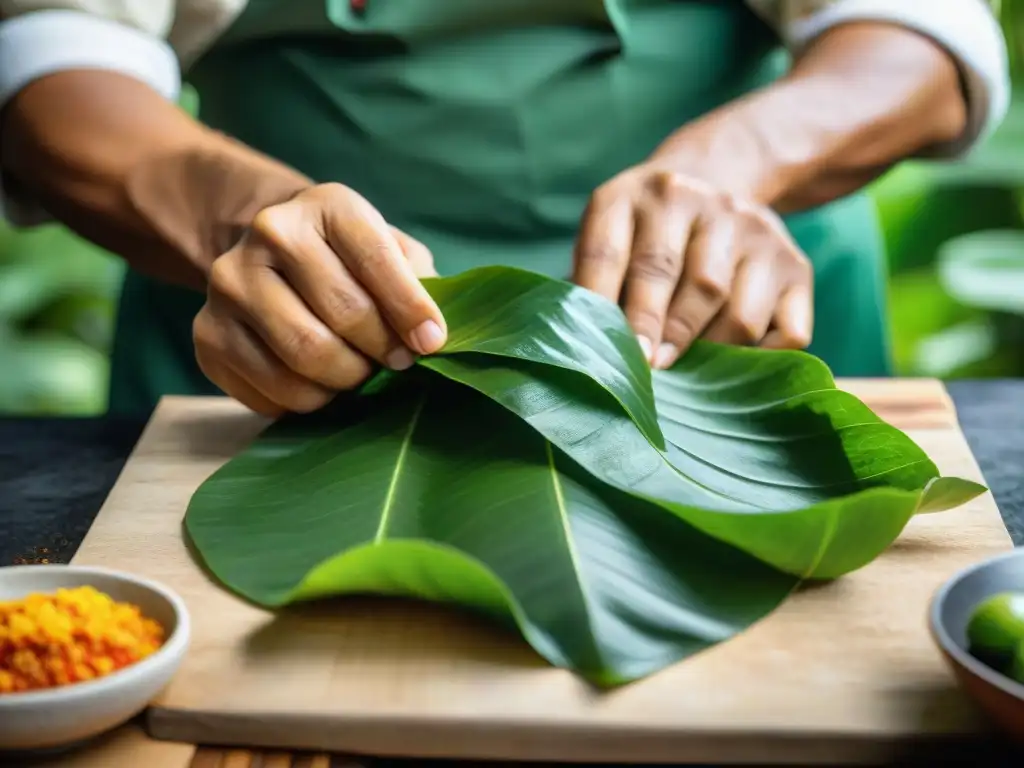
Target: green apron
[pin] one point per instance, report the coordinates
(481, 127)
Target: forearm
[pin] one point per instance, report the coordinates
(127, 169)
(861, 98)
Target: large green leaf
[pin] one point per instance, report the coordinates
(546, 503)
(763, 452)
(513, 313)
(446, 496)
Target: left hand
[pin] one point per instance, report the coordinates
(687, 260)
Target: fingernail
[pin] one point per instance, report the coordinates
(666, 355)
(399, 359)
(645, 345)
(428, 337)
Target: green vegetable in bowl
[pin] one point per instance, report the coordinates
(1016, 670)
(996, 629)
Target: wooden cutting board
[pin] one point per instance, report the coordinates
(130, 747)
(841, 673)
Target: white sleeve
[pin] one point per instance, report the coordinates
(968, 29)
(41, 38)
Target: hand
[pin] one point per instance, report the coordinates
(687, 260)
(318, 289)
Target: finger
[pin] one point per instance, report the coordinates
(748, 313)
(300, 340)
(793, 322)
(234, 386)
(709, 266)
(418, 255)
(655, 266)
(603, 247)
(237, 361)
(358, 233)
(323, 282)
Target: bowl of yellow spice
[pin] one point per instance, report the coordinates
(82, 650)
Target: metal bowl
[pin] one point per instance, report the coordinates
(998, 695)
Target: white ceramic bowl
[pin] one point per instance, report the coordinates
(65, 715)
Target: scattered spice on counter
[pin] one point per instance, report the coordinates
(59, 552)
(73, 635)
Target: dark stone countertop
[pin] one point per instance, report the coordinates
(54, 476)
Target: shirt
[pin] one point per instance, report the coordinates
(155, 40)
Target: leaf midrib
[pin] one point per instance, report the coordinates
(570, 546)
(389, 497)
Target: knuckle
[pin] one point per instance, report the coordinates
(802, 267)
(306, 348)
(370, 256)
(763, 221)
(603, 196)
(655, 266)
(645, 320)
(601, 254)
(224, 279)
(728, 202)
(205, 333)
(300, 249)
(740, 328)
(303, 398)
(680, 329)
(353, 373)
(271, 223)
(751, 218)
(329, 190)
(798, 340)
(321, 195)
(712, 288)
(669, 185)
(347, 311)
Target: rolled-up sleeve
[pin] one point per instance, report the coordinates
(42, 38)
(967, 29)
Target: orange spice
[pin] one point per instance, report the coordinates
(70, 636)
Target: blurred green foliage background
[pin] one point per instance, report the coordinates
(955, 236)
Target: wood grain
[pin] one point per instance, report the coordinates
(907, 403)
(240, 758)
(843, 672)
(127, 747)
(130, 747)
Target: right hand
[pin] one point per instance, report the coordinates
(318, 289)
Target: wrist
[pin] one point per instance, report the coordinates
(200, 198)
(746, 148)
(861, 98)
(138, 176)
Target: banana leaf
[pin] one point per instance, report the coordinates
(530, 317)
(449, 497)
(506, 476)
(763, 452)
